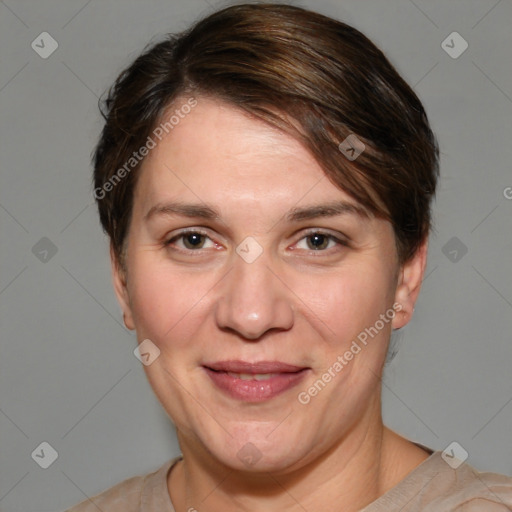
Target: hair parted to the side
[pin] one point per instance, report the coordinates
(312, 76)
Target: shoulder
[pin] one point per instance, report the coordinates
(128, 495)
(451, 486)
(124, 496)
(471, 490)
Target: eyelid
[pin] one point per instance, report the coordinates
(324, 231)
(336, 235)
(175, 235)
(340, 238)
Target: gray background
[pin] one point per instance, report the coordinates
(68, 373)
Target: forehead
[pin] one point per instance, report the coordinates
(217, 153)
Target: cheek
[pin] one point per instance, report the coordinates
(347, 302)
(164, 302)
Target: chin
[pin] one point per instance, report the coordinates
(256, 451)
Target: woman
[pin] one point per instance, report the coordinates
(265, 180)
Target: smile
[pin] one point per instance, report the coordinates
(255, 387)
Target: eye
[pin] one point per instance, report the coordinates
(318, 241)
(190, 240)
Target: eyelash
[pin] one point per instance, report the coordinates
(181, 235)
(340, 243)
(330, 236)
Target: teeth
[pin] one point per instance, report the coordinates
(252, 376)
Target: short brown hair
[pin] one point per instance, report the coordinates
(312, 76)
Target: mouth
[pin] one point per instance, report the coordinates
(254, 382)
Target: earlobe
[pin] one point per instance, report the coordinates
(408, 286)
(121, 291)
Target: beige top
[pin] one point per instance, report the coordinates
(433, 486)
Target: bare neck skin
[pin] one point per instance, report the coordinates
(361, 467)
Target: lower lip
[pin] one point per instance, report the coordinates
(255, 390)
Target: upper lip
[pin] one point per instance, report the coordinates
(237, 366)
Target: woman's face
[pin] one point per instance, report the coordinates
(241, 249)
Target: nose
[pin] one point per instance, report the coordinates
(253, 300)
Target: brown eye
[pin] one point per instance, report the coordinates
(190, 241)
(194, 240)
(318, 241)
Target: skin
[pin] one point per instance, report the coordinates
(293, 304)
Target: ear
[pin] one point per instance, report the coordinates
(119, 281)
(408, 286)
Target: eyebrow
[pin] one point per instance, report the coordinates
(297, 214)
(331, 209)
(183, 209)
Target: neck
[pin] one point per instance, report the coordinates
(366, 462)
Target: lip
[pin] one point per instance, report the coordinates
(288, 376)
(237, 366)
